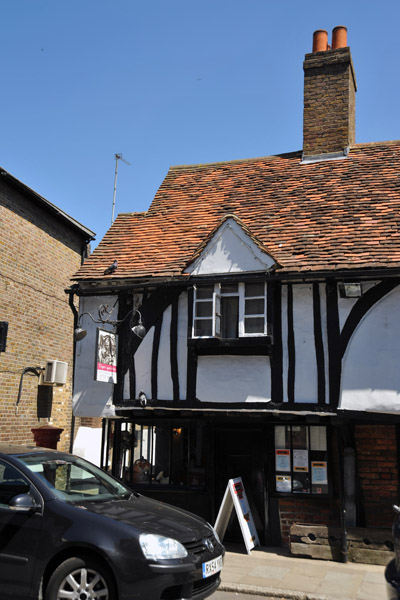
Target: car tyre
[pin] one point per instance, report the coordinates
(81, 578)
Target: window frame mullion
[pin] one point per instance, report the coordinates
(216, 325)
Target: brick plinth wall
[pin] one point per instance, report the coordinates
(307, 510)
(377, 468)
(376, 447)
(312, 509)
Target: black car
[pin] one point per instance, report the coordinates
(392, 571)
(69, 530)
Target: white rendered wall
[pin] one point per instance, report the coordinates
(371, 369)
(306, 389)
(306, 375)
(165, 389)
(233, 379)
(143, 357)
(87, 444)
(182, 344)
(91, 398)
(143, 365)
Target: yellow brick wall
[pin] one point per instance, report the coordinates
(38, 256)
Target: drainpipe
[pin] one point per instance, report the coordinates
(344, 543)
(71, 294)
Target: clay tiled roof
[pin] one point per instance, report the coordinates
(335, 214)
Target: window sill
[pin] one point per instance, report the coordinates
(259, 345)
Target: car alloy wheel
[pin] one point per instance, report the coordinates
(80, 579)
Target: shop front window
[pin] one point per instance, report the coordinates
(301, 459)
(168, 454)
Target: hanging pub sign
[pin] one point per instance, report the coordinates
(106, 356)
(235, 496)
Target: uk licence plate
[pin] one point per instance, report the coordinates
(212, 566)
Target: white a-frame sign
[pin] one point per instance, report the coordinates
(235, 496)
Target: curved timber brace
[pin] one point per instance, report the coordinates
(338, 340)
(152, 309)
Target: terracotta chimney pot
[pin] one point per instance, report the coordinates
(320, 40)
(339, 37)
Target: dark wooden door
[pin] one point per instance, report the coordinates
(241, 453)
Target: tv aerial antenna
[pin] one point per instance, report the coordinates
(117, 158)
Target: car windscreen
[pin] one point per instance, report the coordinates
(73, 479)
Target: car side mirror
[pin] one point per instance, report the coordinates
(23, 503)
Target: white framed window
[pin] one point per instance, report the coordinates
(229, 310)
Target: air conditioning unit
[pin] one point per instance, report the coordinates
(55, 371)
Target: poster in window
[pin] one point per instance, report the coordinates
(282, 460)
(300, 460)
(319, 472)
(106, 358)
(283, 483)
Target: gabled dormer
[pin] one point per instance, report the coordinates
(230, 307)
(229, 249)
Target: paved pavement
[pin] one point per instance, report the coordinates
(275, 574)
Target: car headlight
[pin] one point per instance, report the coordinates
(157, 547)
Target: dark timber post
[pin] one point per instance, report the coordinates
(344, 544)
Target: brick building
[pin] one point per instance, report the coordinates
(40, 248)
(269, 289)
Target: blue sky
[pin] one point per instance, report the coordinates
(169, 82)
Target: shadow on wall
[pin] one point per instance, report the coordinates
(95, 401)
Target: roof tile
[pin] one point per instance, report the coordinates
(335, 214)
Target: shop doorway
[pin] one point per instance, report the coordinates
(242, 453)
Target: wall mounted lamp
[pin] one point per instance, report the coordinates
(104, 318)
(350, 290)
(142, 399)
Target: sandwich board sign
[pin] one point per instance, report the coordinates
(235, 496)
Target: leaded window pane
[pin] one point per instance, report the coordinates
(254, 325)
(204, 292)
(204, 309)
(229, 288)
(254, 307)
(254, 289)
(203, 327)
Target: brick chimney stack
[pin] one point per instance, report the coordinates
(329, 97)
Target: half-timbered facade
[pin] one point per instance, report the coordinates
(269, 290)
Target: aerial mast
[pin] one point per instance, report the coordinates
(117, 158)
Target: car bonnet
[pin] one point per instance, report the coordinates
(151, 516)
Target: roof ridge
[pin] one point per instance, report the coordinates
(292, 154)
(236, 161)
(133, 212)
(383, 142)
